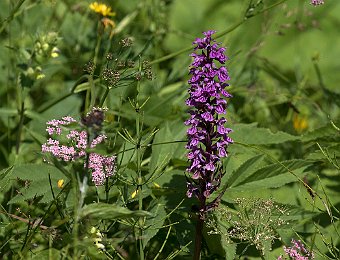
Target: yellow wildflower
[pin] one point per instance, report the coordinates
(60, 183)
(133, 195)
(300, 123)
(102, 9)
(55, 52)
(97, 238)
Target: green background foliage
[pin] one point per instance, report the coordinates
(284, 113)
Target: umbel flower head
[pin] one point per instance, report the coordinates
(207, 135)
(77, 142)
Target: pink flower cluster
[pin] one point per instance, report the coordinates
(317, 2)
(102, 167)
(75, 148)
(297, 251)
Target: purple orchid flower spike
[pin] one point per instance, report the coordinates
(208, 138)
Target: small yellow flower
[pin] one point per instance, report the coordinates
(60, 183)
(102, 9)
(300, 123)
(100, 245)
(41, 76)
(55, 52)
(134, 194)
(93, 230)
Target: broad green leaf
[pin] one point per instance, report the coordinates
(244, 170)
(38, 177)
(35, 172)
(6, 112)
(162, 150)
(332, 152)
(36, 189)
(218, 244)
(110, 212)
(154, 222)
(273, 176)
(47, 254)
(326, 133)
(4, 179)
(251, 134)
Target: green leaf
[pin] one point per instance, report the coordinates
(35, 172)
(4, 179)
(327, 133)
(273, 176)
(110, 212)
(5, 112)
(50, 253)
(38, 177)
(244, 170)
(82, 87)
(251, 134)
(218, 243)
(162, 153)
(154, 222)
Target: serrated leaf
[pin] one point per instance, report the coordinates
(273, 176)
(110, 212)
(154, 222)
(327, 132)
(251, 134)
(35, 189)
(38, 176)
(4, 178)
(244, 170)
(161, 154)
(35, 172)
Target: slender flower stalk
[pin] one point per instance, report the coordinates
(207, 135)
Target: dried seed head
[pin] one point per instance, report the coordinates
(138, 77)
(94, 118)
(109, 56)
(126, 42)
(89, 67)
(130, 63)
(111, 76)
(147, 70)
(120, 64)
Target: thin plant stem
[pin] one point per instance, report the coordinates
(107, 90)
(139, 171)
(80, 190)
(11, 16)
(198, 239)
(91, 92)
(162, 247)
(218, 35)
(21, 124)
